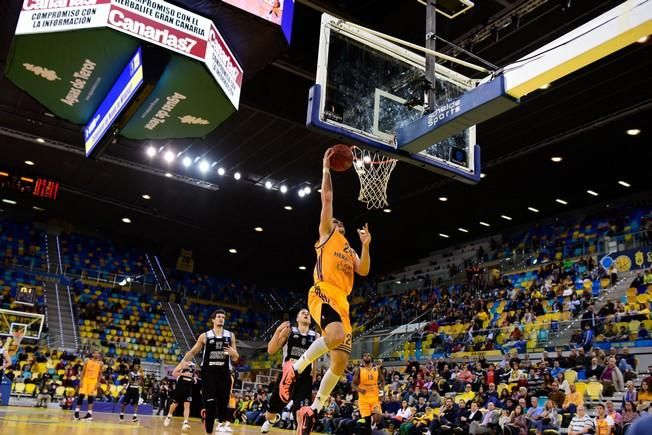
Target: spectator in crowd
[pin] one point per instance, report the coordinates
(581, 423)
(488, 423)
(517, 423)
(612, 378)
(629, 415)
(644, 397)
(557, 396)
(603, 423)
(572, 401)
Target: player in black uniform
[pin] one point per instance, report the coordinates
(132, 393)
(185, 374)
(294, 340)
(220, 352)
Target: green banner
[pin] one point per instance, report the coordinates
(70, 73)
(187, 102)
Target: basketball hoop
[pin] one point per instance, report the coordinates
(374, 170)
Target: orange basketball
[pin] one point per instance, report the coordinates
(342, 158)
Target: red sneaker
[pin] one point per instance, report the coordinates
(306, 420)
(288, 380)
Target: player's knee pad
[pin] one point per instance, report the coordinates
(91, 399)
(80, 399)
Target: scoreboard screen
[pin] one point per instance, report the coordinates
(39, 187)
(26, 295)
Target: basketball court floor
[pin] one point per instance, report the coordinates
(26, 421)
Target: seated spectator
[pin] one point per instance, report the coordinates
(623, 334)
(581, 423)
(572, 401)
(489, 422)
(615, 415)
(612, 378)
(468, 416)
(556, 396)
(644, 397)
(516, 424)
(547, 419)
(630, 414)
(631, 395)
(603, 423)
(595, 370)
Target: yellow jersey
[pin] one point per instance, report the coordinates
(369, 383)
(335, 262)
(93, 369)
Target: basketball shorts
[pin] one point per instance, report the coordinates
(328, 304)
(88, 387)
(182, 392)
(301, 396)
(369, 407)
(132, 396)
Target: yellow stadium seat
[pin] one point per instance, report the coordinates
(19, 388)
(581, 387)
(570, 376)
(30, 388)
(594, 390)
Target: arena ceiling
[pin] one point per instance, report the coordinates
(582, 118)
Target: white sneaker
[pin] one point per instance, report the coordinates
(166, 422)
(265, 427)
(227, 427)
(219, 428)
(185, 426)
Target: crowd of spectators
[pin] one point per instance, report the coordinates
(53, 376)
(512, 396)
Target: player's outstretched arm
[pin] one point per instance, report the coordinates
(326, 218)
(363, 263)
(201, 341)
(280, 338)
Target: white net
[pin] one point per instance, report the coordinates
(374, 170)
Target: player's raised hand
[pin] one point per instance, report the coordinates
(327, 158)
(285, 330)
(365, 235)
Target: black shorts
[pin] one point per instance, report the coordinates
(132, 396)
(301, 396)
(216, 385)
(182, 392)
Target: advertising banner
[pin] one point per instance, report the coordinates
(178, 107)
(69, 72)
(154, 21)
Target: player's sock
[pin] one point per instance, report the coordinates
(328, 383)
(366, 428)
(316, 349)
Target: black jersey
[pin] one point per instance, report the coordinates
(297, 344)
(135, 379)
(215, 357)
(187, 375)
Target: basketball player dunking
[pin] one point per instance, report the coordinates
(219, 352)
(90, 379)
(328, 304)
(294, 341)
(365, 382)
